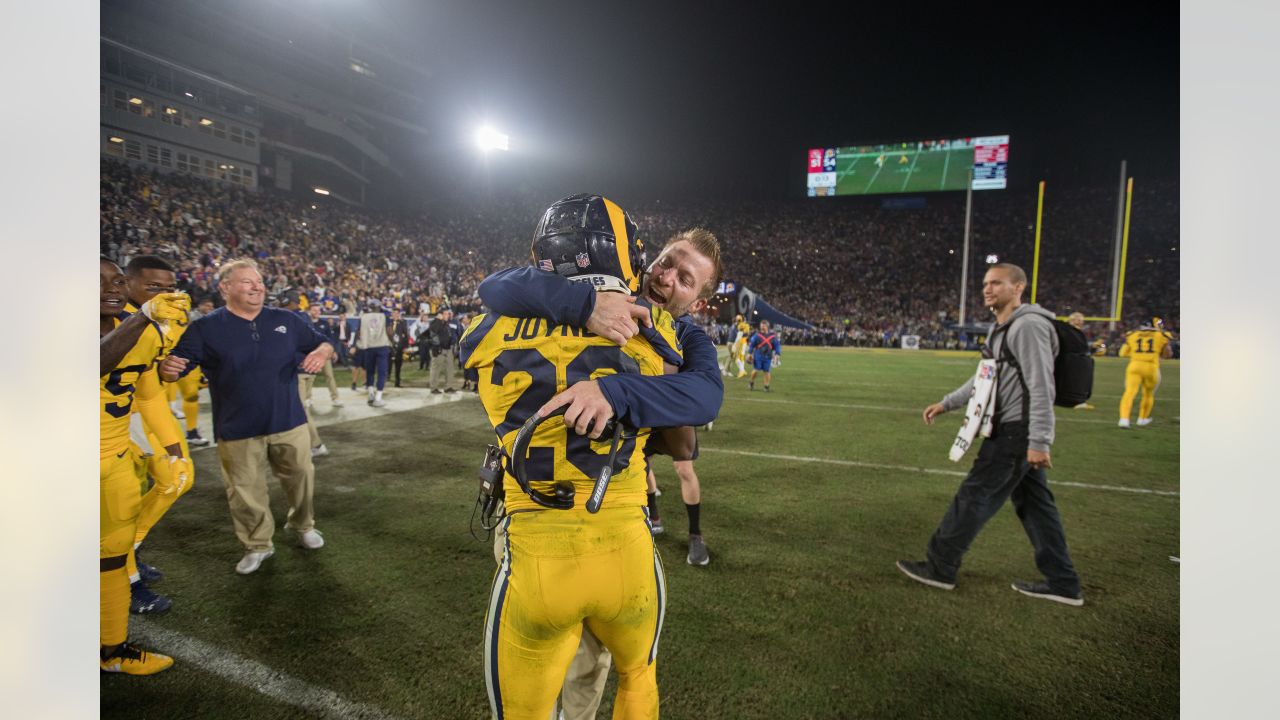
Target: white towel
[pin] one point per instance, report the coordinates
(978, 415)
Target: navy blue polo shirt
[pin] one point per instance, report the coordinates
(252, 367)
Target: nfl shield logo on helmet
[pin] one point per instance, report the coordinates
(546, 265)
(583, 260)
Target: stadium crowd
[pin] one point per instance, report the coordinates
(860, 272)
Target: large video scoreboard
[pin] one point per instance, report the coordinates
(916, 166)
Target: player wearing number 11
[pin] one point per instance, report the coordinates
(1144, 347)
(564, 567)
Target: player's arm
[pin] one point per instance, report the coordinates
(1127, 347)
(116, 344)
(1166, 350)
(153, 405)
(528, 292)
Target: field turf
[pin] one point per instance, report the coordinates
(810, 493)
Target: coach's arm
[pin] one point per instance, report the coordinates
(691, 397)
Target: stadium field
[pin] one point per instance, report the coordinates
(923, 171)
(810, 493)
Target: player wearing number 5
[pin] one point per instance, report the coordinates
(563, 565)
(1144, 347)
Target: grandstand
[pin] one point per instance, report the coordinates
(312, 141)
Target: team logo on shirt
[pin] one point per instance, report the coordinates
(583, 260)
(281, 329)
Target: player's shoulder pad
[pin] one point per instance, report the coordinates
(475, 332)
(662, 336)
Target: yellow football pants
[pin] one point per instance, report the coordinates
(189, 389)
(118, 506)
(1140, 375)
(562, 568)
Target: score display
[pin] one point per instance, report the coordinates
(916, 166)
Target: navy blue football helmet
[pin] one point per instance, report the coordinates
(588, 238)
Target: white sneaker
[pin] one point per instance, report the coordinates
(177, 412)
(378, 403)
(336, 402)
(318, 451)
(308, 403)
(1124, 424)
(252, 561)
(312, 539)
(1144, 421)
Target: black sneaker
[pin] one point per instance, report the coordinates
(451, 390)
(921, 572)
(1042, 590)
(144, 601)
(194, 439)
(435, 391)
(751, 385)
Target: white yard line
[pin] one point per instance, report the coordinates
(886, 408)
(910, 170)
(251, 674)
(928, 471)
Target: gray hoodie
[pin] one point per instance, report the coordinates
(1034, 344)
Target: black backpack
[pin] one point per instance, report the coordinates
(1072, 367)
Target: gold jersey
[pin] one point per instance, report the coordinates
(523, 362)
(1145, 346)
(134, 378)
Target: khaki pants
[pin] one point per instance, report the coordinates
(289, 455)
(328, 378)
(442, 370)
(305, 383)
(588, 673)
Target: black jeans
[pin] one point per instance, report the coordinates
(1001, 473)
(397, 359)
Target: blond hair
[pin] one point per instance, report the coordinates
(225, 271)
(705, 243)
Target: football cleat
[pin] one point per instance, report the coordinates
(1142, 422)
(149, 573)
(195, 439)
(1124, 423)
(145, 601)
(655, 526)
(132, 660)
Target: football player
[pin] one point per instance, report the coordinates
(763, 346)
(564, 566)
(740, 344)
(1144, 347)
(146, 277)
(127, 353)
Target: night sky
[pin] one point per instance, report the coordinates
(703, 98)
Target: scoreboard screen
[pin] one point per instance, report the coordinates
(903, 167)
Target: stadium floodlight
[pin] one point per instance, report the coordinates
(489, 139)
(993, 259)
(321, 191)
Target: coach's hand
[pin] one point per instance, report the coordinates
(932, 412)
(1038, 460)
(314, 362)
(171, 367)
(587, 408)
(615, 316)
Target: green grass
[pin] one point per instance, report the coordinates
(923, 172)
(801, 613)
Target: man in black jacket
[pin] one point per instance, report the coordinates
(398, 333)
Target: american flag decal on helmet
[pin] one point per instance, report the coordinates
(546, 265)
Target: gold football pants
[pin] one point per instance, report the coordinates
(1142, 375)
(562, 568)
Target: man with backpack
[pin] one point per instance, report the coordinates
(1016, 419)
